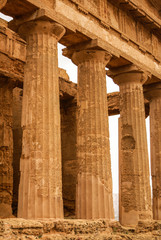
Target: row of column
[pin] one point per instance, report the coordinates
(41, 195)
(40, 190)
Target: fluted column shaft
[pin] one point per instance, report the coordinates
(94, 182)
(135, 195)
(153, 94)
(6, 150)
(40, 190)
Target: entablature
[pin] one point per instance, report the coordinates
(124, 28)
(12, 55)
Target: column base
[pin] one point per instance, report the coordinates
(5, 211)
(94, 200)
(42, 211)
(132, 218)
(157, 208)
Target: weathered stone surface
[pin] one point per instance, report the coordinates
(153, 94)
(41, 195)
(135, 196)
(12, 54)
(130, 32)
(133, 37)
(94, 181)
(69, 158)
(68, 104)
(6, 149)
(17, 144)
(20, 229)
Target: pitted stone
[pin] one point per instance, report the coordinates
(153, 94)
(41, 195)
(42, 27)
(89, 55)
(94, 181)
(135, 195)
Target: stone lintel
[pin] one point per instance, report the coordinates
(139, 11)
(134, 52)
(42, 14)
(11, 44)
(11, 69)
(94, 44)
(62, 14)
(14, 78)
(152, 91)
(12, 55)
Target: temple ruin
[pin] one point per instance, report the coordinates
(55, 164)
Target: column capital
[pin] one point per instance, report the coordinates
(81, 56)
(128, 73)
(152, 91)
(41, 26)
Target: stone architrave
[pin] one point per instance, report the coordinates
(40, 190)
(6, 149)
(153, 94)
(135, 194)
(94, 181)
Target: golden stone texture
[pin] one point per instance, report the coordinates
(94, 181)
(130, 32)
(6, 150)
(153, 94)
(135, 195)
(40, 190)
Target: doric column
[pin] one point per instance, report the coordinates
(6, 149)
(153, 94)
(135, 194)
(94, 182)
(40, 190)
